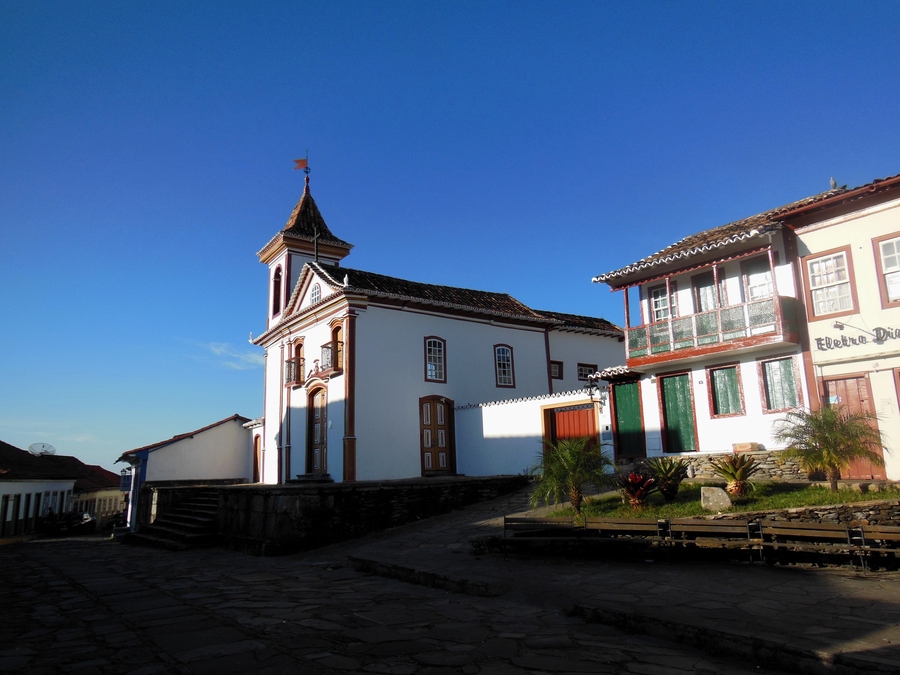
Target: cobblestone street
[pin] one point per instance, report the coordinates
(74, 606)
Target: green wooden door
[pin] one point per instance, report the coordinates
(678, 414)
(629, 426)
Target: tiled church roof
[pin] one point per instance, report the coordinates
(583, 322)
(446, 296)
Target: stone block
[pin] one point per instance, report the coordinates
(714, 499)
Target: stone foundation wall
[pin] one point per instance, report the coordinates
(876, 512)
(280, 519)
(774, 466)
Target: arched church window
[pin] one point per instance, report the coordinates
(276, 291)
(315, 294)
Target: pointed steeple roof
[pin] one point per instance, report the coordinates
(306, 219)
(299, 233)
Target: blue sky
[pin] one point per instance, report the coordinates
(521, 147)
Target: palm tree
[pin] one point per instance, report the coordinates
(565, 468)
(829, 439)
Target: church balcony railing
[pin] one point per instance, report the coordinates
(737, 326)
(293, 370)
(332, 356)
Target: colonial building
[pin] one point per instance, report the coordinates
(730, 328)
(713, 341)
(849, 247)
(364, 371)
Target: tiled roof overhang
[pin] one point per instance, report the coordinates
(748, 228)
(718, 237)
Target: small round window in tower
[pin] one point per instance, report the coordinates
(315, 294)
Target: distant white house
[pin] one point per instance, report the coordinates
(31, 487)
(365, 373)
(218, 452)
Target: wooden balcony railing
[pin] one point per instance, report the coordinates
(771, 316)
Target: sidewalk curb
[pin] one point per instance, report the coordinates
(482, 589)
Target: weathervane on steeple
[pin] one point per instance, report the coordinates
(304, 164)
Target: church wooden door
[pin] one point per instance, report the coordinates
(317, 445)
(436, 442)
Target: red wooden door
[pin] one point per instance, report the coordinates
(573, 422)
(853, 393)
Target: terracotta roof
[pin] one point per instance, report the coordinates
(379, 285)
(577, 321)
(18, 464)
(306, 217)
(87, 478)
(717, 237)
(304, 220)
(174, 439)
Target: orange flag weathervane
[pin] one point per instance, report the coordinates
(301, 164)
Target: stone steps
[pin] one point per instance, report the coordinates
(191, 525)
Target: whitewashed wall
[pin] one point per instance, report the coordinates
(506, 437)
(32, 487)
(575, 348)
(391, 379)
(223, 451)
(719, 434)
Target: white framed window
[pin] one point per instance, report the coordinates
(888, 259)
(662, 304)
(757, 279)
(315, 294)
(435, 359)
(830, 288)
(779, 384)
(585, 370)
(556, 370)
(503, 366)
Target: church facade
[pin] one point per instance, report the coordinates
(364, 372)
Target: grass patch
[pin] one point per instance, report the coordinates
(765, 496)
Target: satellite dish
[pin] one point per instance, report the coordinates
(38, 449)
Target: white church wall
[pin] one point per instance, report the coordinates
(391, 379)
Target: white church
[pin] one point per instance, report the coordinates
(370, 377)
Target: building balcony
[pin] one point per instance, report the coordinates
(329, 363)
(734, 328)
(293, 371)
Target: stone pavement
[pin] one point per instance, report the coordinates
(798, 618)
(93, 605)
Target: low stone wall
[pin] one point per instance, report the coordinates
(876, 512)
(773, 466)
(280, 519)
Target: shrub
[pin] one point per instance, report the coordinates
(736, 470)
(669, 473)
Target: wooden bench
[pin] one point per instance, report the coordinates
(713, 533)
(521, 527)
(780, 537)
(878, 542)
(650, 531)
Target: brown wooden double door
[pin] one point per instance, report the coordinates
(436, 438)
(854, 394)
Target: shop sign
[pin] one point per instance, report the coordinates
(879, 335)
